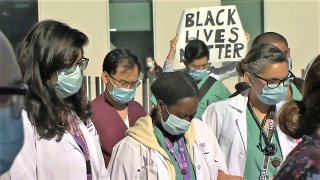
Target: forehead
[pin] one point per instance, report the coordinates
(200, 61)
(124, 73)
(149, 59)
(276, 71)
(186, 105)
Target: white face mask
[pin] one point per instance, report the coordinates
(150, 64)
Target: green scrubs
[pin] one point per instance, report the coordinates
(255, 146)
(161, 142)
(296, 95)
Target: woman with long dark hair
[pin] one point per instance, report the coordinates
(60, 140)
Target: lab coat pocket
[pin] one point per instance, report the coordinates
(213, 169)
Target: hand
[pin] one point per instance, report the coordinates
(248, 40)
(247, 36)
(172, 51)
(173, 43)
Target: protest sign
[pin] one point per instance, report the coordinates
(219, 27)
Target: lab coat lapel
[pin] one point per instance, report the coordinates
(239, 104)
(69, 138)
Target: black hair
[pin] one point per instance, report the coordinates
(259, 57)
(49, 47)
(195, 49)
(269, 38)
(298, 118)
(170, 87)
(118, 57)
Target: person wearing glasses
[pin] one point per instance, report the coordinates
(276, 39)
(114, 111)
(197, 66)
(245, 125)
(12, 92)
(169, 144)
(60, 139)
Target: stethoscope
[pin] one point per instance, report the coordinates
(270, 148)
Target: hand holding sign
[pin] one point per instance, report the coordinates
(219, 27)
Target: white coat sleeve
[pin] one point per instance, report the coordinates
(125, 162)
(211, 118)
(225, 72)
(168, 66)
(24, 166)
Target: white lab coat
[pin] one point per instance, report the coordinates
(132, 159)
(228, 122)
(49, 159)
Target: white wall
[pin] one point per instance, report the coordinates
(299, 22)
(166, 18)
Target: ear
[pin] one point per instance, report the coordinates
(104, 77)
(289, 53)
(247, 78)
(160, 103)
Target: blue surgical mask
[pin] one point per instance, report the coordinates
(11, 138)
(199, 74)
(122, 95)
(273, 96)
(68, 84)
(175, 125)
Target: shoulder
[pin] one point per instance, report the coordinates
(219, 85)
(98, 100)
(134, 105)
(128, 148)
(29, 129)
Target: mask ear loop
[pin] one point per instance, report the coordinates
(110, 81)
(167, 109)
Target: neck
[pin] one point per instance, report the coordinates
(113, 103)
(151, 69)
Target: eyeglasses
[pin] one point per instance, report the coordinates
(83, 63)
(274, 83)
(125, 84)
(17, 98)
(199, 67)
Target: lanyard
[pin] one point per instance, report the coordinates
(182, 160)
(271, 148)
(78, 137)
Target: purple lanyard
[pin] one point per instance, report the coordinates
(182, 160)
(82, 143)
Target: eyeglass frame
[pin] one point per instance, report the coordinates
(199, 67)
(73, 68)
(133, 85)
(290, 76)
(14, 90)
(18, 93)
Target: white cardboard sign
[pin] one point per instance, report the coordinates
(219, 27)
